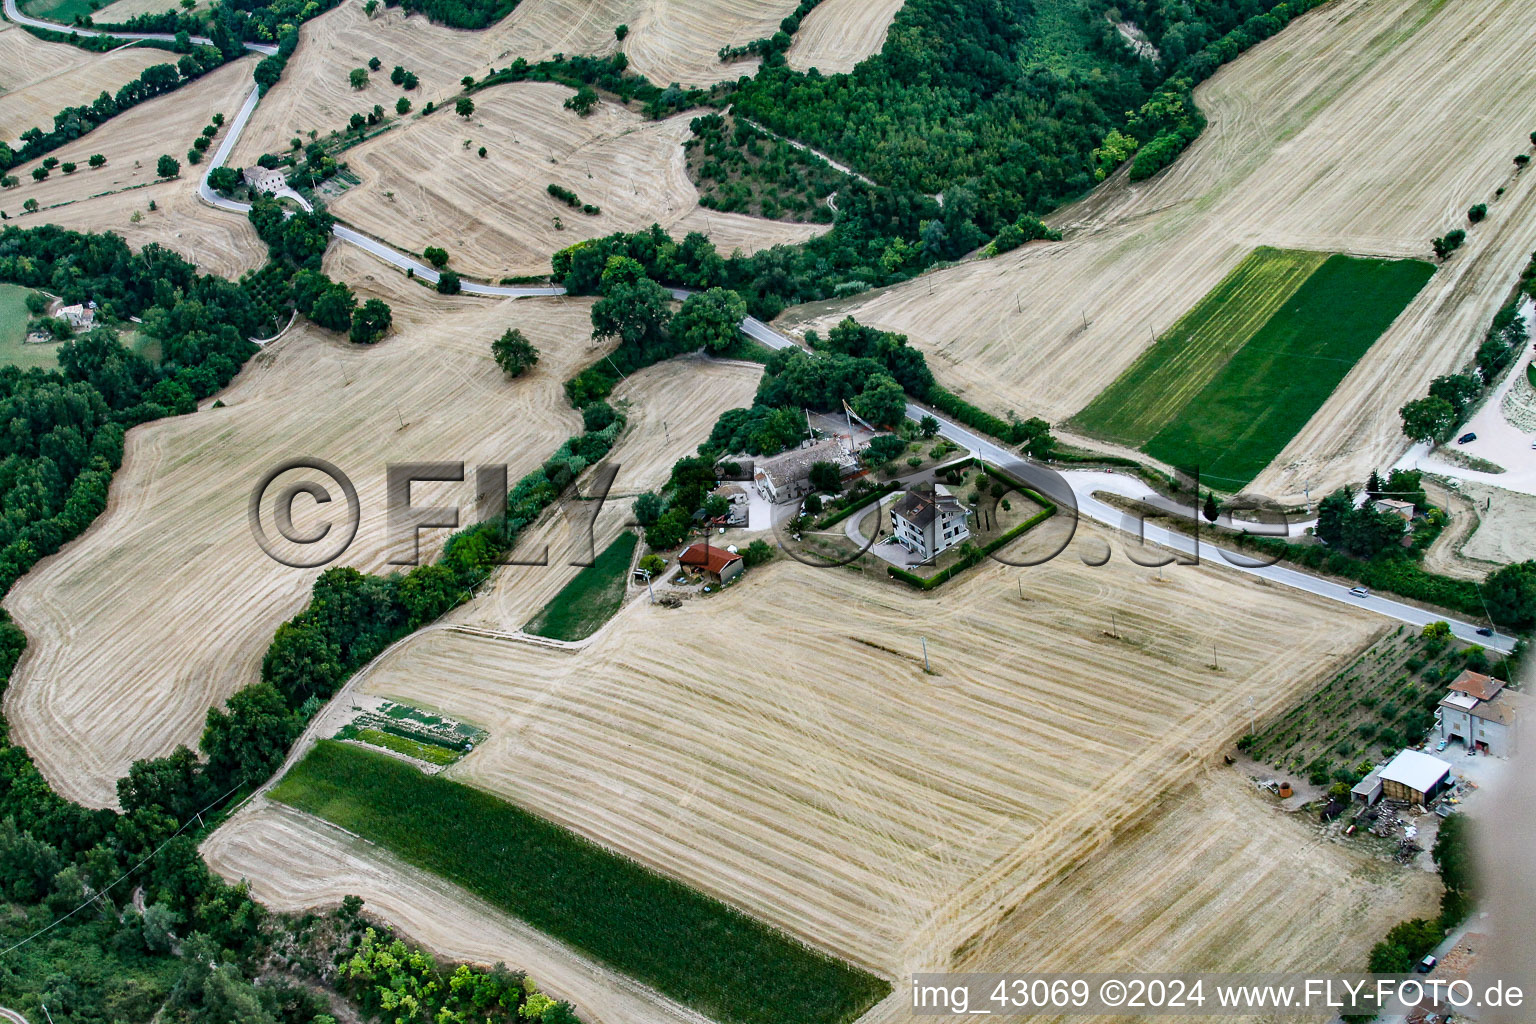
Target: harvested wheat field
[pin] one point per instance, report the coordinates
(494, 215)
(779, 745)
(120, 11)
(1310, 146)
(39, 78)
(668, 41)
(217, 241)
(132, 143)
(838, 34)
(110, 676)
(1186, 890)
(670, 408)
(296, 863)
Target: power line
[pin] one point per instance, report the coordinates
(198, 817)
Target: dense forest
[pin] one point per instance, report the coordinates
(1003, 103)
(740, 169)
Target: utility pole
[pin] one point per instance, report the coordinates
(1114, 627)
(926, 668)
(667, 434)
(1251, 727)
(400, 415)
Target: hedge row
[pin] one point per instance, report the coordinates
(928, 583)
(974, 417)
(850, 506)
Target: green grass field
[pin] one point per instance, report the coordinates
(61, 10)
(14, 351)
(686, 945)
(428, 752)
(1149, 396)
(1238, 376)
(592, 596)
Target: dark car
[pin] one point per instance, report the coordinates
(1485, 631)
(1466, 438)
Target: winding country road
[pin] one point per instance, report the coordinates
(1072, 490)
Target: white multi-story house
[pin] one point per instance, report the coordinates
(1479, 712)
(926, 523)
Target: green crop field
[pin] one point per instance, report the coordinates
(1238, 376)
(591, 598)
(688, 946)
(1148, 396)
(14, 351)
(428, 752)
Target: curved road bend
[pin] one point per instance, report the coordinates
(11, 1016)
(1073, 489)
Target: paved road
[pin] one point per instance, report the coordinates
(12, 1016)
(1073, 490)
(14, 13)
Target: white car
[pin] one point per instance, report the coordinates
(1359, 592)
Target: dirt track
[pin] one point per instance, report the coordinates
(780, 746)
(318, 865)
(494, 215)
(38, 78)
(111, 675)
(1310, 145)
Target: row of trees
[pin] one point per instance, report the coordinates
(1433, 419)
(72, 122)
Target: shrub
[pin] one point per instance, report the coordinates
(1477, 213)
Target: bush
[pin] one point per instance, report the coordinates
(1477, 213)
(167, 166)
(448, 283)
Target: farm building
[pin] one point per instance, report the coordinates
(1415, 777)
(718, 564)
(1368, 789)
(787, 476)
(928, 523)
(81, 317)
(264, 179)
(1405, 509)
(1480, 713)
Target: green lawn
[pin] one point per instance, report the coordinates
(1152, 392)
(591, 598)
(686, 945)
(14, 351)
(59, 10)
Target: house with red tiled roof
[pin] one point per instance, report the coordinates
(717, 563)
